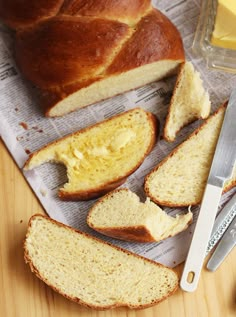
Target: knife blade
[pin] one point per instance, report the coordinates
(224, 247)
(222, 222)
(221, 170)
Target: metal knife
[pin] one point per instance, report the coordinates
(224, 247)
(222, 222)
(221, 170)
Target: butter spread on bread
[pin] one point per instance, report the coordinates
(121, 215)
(100, 158)
(79, 52)
(180, 179)
(91, 272)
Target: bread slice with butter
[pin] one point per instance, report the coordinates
(190, 101)
(100, 158)
(121, 215)
(180, 179)
(92, 272)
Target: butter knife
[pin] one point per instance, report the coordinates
(221, 170)
(222, 222)
(224, 247)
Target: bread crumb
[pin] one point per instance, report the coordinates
(43, 192)
(24, 125)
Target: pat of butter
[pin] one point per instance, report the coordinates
(121, 139)
(78, 154)
(98, 151)
(224, 34)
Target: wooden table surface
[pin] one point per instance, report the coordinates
(24, 295)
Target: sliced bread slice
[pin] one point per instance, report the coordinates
(189, 102)
(101, 157)
(91, 272)
(180, 179)
(120, 214)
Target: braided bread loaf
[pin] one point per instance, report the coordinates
(79, 52)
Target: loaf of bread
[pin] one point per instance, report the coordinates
(79, 52)
(91, 272)
(100, 158)
(121, 215)
(180, 179)
(189, 101)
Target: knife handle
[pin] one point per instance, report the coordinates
(201, 235)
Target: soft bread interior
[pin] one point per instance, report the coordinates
(91, 272)
(181, 178)
(102, 153)
(115, 85)
(123, 209)
(189, 102)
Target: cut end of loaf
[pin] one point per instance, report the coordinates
(189, 102)
(121, 215)
(104, 88)
(91, 272)
(100, 158)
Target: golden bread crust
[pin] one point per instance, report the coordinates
(165, 132)
(91, 193)
(138, 234)
(55, 53)
(155, 39)
(64, 46)
(19, 14)
(125, 11)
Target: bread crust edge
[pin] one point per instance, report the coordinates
(78, 300)
(103, 189)
(165, 133)
(139, 234)
(193, 203)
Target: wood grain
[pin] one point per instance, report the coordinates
(23, 295)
